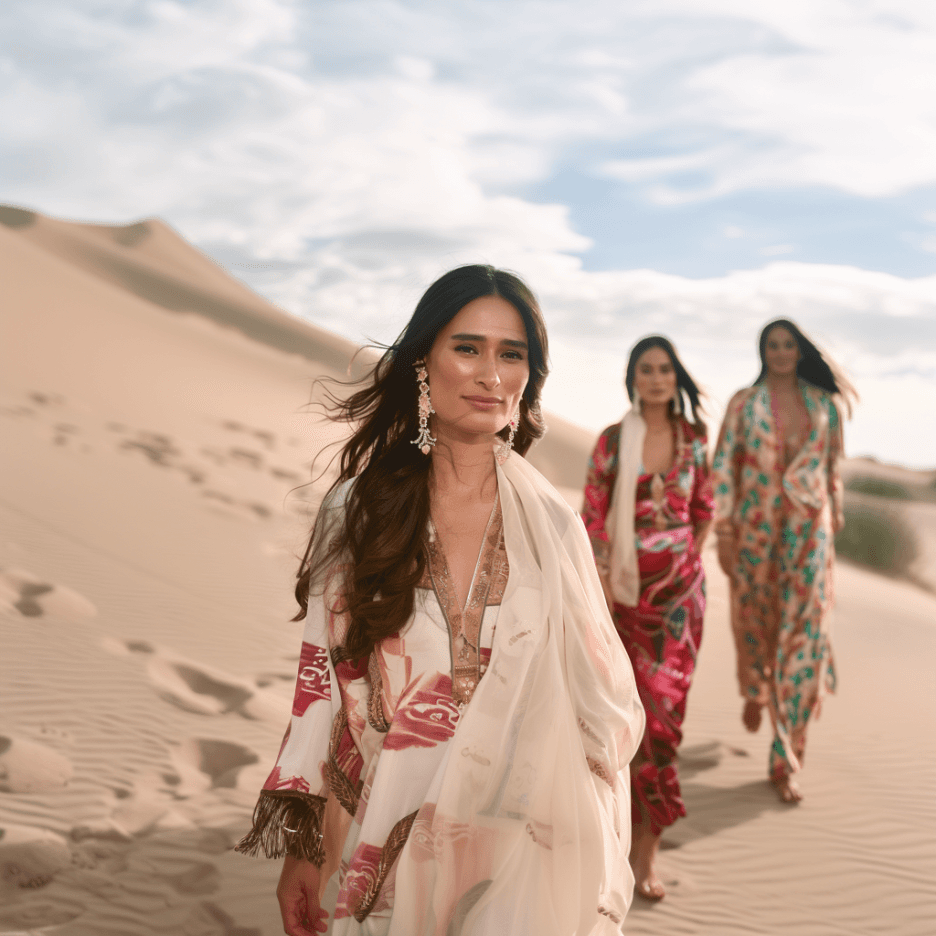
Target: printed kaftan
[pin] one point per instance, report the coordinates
(473, 761)
(781, 516)
(662, 633)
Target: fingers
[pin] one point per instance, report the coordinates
(302, 915)
(296, 922)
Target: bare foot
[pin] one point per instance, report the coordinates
(643, 861)
(751, 716)
(787, 789)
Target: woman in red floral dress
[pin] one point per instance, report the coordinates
(648, 507)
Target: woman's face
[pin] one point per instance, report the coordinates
(655, 377)
(478, 368)
(781, 352)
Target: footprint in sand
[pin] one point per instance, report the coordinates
(31, 857)
(204, 690)
(264, 435)
(198, 879)
(29, 767)
(158, 448)
(209, 764)
(208, 919)
(224, 503)
(25, 595)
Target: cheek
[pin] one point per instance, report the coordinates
(517, 381)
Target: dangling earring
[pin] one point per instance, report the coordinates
(635, 400)
(677, 403)
(424, 441)
(503, 450)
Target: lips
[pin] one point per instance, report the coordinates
(484, 402)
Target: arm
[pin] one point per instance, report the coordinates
(702, 503)
(836, 489)
(724, 481)
(602, 470)
(303, 815)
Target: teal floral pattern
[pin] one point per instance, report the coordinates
(783, 521)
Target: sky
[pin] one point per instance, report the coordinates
(686, 167)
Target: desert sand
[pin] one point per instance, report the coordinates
(156, 448)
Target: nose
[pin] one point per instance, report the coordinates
(487, 374)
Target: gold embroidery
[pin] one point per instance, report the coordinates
(388, 854)
(465, 624)
(337, 780)
(375, 709)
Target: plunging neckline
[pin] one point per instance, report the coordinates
(786, 454)
(678, 440)
(434, 538)
(464, 624)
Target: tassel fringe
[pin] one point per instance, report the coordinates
(286, 822)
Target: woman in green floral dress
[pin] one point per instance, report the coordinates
(778, 497)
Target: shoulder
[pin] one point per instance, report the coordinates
(609, 438)
(823, 401)
(337, 496)
(743, 397)
(693, 433)
(553, 504)
(605, 450)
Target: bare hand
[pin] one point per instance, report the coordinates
(298, 896)
(726, 555)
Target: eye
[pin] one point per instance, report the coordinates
(467, 348)
(513, 355)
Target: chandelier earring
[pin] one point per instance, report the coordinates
(423, 441)
(503, 450)
(677, 402)
(635, 400)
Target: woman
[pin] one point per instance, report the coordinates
(462, 714)
(648, 507)
(779, 498)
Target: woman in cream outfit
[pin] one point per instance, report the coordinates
(464, 716)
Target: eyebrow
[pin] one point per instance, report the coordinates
(512, 342)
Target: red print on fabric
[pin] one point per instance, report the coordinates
(313, 682)
(425, 718)
(276, 781)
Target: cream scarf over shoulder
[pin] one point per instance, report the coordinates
(625, 574)
(526, 828)
(525, 825)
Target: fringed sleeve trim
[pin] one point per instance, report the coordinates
(286, 822)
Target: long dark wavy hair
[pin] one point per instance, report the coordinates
(381, 540)
(685, 386)
(813, 366)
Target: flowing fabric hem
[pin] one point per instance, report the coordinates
(286, 822)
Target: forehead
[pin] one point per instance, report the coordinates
(653, 357)
(488, 316)
(779, 333)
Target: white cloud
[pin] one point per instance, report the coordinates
(340, 156)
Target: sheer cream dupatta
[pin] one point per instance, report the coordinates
(526, 828)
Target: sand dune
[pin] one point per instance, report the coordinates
(149, 523)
